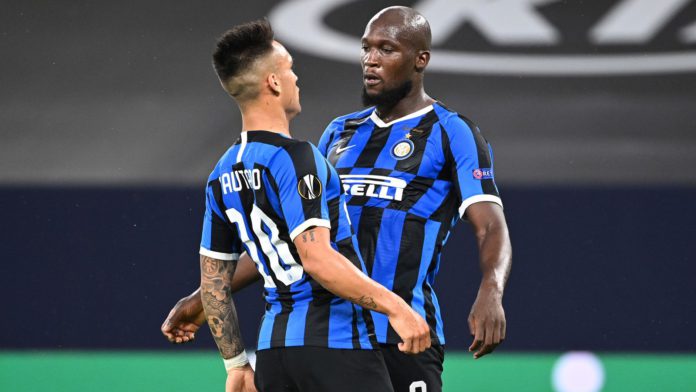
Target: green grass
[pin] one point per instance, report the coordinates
(56, 371)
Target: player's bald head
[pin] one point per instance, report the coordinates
(403, 24)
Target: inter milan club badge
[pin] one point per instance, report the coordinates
(402, 149)
(309, 187)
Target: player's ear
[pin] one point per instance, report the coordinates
(273, 83)
(422, 60)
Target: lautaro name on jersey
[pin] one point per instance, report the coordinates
(265, 191)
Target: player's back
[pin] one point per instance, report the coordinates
(265, 191)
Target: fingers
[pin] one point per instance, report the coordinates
(406, 346)
(491, 335)
(478, 332)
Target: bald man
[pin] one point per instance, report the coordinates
(411, 168)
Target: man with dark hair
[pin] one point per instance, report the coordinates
(280, 201)
(411, 169)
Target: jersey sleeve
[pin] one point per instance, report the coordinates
(219, 240)
(327, 136)
(300, 172)
(471, 160)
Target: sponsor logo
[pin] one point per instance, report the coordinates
(309, 187)
(340, 149)
(519, 38)
(483, 174)
(370, 185)
(402, 149)
(237, 180)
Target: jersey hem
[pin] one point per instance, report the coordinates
(316, 342)
(434, 340)
(307, 224)
(478, 199)
(218, 255)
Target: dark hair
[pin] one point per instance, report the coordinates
(240, 46)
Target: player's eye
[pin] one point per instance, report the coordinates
(387, 49)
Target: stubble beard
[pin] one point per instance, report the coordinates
(387, 98)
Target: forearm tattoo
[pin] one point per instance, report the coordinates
(216, 295)
(365, 302)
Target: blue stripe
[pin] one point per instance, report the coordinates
(431, 229)
(387, 256)
(206, 235)
(359, 140)
(362, 331)
(267, 326)
(323, 175)
(341, 324)
(432, 199)
(438, 317)
(295, 333)
(398, 132)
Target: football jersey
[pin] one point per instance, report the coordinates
(265, 191)
(407, 183)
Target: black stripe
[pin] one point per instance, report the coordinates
(268, 137)
(262, 201)
(484, 157)
(368, 232)
(370, 324)
(430, 312)
(408, 263)
(413, 192)
(333, 215)
(373, 148)
(354, 328)
(419, 137)
(447, 210)
(302, 157)
(221, 240)
(318, 313)
(343, 141)
(280, 325)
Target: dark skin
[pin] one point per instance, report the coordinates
(393, 54)
(395, 50)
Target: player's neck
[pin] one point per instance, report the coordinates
(416, 100)
(260, 117)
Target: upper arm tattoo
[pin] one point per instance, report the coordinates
(216, 294)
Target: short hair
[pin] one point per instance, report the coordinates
(235, 53)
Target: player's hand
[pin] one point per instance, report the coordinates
(184, 319)
(412, 329)
(240, 380)
(486, 323)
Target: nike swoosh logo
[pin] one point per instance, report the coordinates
(341, 149)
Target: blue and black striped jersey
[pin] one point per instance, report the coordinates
(266, 190)
(408, 182)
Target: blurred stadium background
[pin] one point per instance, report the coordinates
(111, 118)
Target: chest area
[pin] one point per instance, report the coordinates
(402, 149)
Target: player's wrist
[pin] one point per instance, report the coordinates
(237, 362)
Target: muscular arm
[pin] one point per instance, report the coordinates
(487, 318)
(216, 296)
(187, 315)
(338, 275)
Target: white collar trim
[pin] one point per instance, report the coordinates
(382, 124)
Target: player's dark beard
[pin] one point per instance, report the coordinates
(387, 98)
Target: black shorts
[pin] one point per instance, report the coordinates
(414, 373)
(319, 369)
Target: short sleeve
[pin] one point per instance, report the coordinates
(327, 136)
(219, 240)
(300, 172)
(471, 161)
